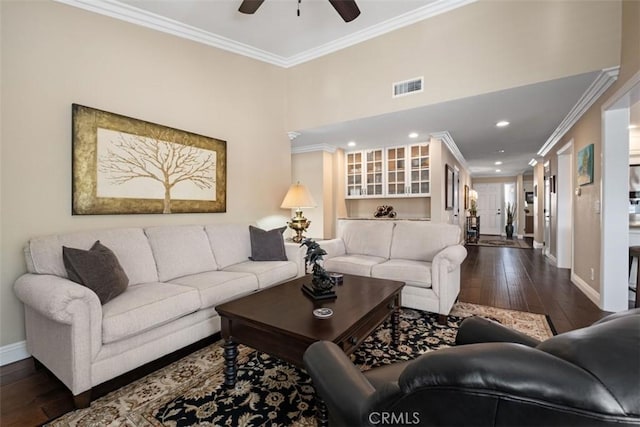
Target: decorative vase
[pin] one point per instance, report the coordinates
(509, 230)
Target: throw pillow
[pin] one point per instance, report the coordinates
(98, 269)
(267, 245)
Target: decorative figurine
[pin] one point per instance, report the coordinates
(384, 211)
(321, 283)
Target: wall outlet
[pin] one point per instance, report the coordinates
(593, 274)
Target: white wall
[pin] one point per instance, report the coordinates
(54, 55)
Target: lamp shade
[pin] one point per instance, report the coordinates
(298, 196)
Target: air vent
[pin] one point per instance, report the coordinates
(408, 87)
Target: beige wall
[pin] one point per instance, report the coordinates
(480, 48)
(54, 55)
(588, 130)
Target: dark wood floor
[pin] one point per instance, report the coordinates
(518, 279)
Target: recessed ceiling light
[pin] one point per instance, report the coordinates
(500, 151)
(413, 135)
(498, 163)
(351, 143)
(502, 123)
(633, 126)
(498, 170)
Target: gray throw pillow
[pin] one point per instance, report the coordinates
(98, 269)
(267, 245)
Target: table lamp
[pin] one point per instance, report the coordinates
(298, 197)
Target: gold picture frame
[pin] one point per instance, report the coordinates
(123, 165)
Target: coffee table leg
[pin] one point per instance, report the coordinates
(395, 326)
(230, 363)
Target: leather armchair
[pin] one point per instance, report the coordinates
(494, 376)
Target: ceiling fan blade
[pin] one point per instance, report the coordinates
(348, 9)
(250, 6)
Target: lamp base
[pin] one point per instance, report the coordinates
(299, 224)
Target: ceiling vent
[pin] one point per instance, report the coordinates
(408, 87)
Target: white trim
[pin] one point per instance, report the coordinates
(13, 352)
(552, 259)
(311, 148)
(447, 140)
(134, 15)
(597, 88)
(537, 245)
(591, 293)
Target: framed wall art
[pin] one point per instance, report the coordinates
(449, 179)
(123, 165)
(585, 165)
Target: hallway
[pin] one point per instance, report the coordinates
(523, 279)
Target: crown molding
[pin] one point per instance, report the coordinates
(124, 12)
(448, 141)
(432, 9)
(604, 80)
(134, 15)
(312, 148)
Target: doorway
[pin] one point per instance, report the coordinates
(564, 207)
(490, 207)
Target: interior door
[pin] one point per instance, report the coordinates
(489, 207)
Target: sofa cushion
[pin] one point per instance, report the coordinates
(180, 251)
(98, 269)
(361, 237)
(268, 273)
(131, 246)
(359, 265)
(146, 306)
(230, 243)
(421, 240)
(413, 273)
(216, 287)
(267, 245)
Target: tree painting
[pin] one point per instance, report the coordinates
(124, 158)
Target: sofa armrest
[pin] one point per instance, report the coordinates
(53, 296)
(333, 247)
(64, 302)
(452, 256)
(340, 384)
(296, 253)
(512, 370)
(476, 329)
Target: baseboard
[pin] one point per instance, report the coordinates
(13, 352)
(537, 245)
(552, 259)
(591, 293)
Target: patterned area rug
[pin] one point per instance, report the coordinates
(504, 243)
(270, 392)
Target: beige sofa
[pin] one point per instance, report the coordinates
(424, 255)
(177, 275)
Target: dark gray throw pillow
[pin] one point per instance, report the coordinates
(267, 245)
(98, 269)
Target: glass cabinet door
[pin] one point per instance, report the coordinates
(419, 177)
(373, 173)
(354, 174)
(396, 171)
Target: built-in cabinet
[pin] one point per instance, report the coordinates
(401, 171)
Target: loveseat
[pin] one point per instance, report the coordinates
(177, 275)
(424, 255)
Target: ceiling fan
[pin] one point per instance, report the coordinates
(347, 9)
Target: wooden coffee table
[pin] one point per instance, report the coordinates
(279, 320)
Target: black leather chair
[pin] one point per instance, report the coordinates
(494, 376)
